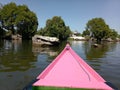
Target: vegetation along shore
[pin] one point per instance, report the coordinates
(19, 22)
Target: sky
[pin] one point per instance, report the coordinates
(75, 13)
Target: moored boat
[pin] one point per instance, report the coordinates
(69, 71)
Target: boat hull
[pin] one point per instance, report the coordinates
(70, 71)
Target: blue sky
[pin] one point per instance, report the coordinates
(75, 13)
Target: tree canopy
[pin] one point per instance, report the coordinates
(86, 32)
(113, 34)
(18, 19)
(98, 28)
(56, 27)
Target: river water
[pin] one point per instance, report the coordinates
(21, 62)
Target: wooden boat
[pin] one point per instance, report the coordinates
(69, 70)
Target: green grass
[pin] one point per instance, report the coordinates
(56, 88)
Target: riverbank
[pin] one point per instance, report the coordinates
(46, 40)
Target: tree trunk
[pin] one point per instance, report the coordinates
(98, 40)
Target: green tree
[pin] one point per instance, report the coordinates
(119, 36)
(26, 22)
(86, 33)
(19, 19)
(2, 33)
(56, 27)
(8, 16)
(41, 31)
(113, 34)
(98, 28)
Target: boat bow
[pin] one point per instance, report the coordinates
(70, 70)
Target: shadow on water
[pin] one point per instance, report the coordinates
(16, 56)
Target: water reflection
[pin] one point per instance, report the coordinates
(93, 53)
(22, 55)
(16, 56)
(44, 50)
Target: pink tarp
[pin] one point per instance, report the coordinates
(69, 70)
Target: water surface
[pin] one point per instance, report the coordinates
(21, 62)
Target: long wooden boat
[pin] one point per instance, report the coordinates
(68, 70)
